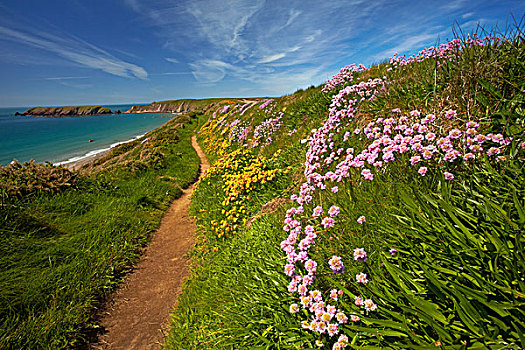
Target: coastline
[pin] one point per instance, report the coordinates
(77, 162)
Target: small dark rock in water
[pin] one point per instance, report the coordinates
(91, 140)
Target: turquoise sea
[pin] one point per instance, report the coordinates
(62, 140)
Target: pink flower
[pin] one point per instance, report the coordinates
(336, 264)
(450, 114)
(354, 318)
(341, 317)
(369, 305)
(289, 269)
(415, 160)
(310, 266)
(448, 176)
(334, 295)
(358, 301)
(294, 308)
(335, 189)
(360, 254)
(317, 211)
(422, 171)
(361, 219)
(328, 222)
(367, 174)
(361, 278)
(333, 211)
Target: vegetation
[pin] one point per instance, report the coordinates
(67, 237)
(66, 111)
(404, 227)
(383, 209)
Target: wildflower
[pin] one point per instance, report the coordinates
(392, 251)
(334, 294)
(328, 222)
(343, 340)
(335, 189)
(450, 114)
(360, 254)
(319, 343)
(361, 278)
(333, 329)
(289, 269)
(333, 211)
(310, 266)
(336, 264)
(341, 317)
(294, 308)
(361, 219)
(448, 176)
(354, 318)
(422, 171)
(317, 211)
(493, 150)
(358, 301)
(367, 174)
(369, 305)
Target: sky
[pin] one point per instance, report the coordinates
(90, 52)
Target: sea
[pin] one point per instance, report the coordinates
(70, 139)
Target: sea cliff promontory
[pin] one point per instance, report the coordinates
(67, 111)
(176, 106)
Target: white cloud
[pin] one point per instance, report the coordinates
(172, 60)
(272, 58)
(75, 50)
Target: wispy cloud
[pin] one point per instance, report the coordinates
(65, 78)
(74, 50)
(172, 60)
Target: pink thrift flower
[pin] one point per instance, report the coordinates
(294, 308)
(333, 211)
(354, 318)
(392, 252)
(360, 254)
(450, 114)
(367, 174)
(369, 305)
(334, 295)
(422, 171)
(448, 176)
(358, 301)
(317, 211)
(341, 317)
(336, 264)
(335, 189)
(289, 269)
(361, 278)
(328, 222)
(361, 219)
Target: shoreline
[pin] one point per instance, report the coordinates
(74, 163)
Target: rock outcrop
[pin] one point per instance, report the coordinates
(66, 111)
(175, 106)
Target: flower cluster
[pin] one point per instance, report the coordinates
(441, 140)
(444, 52)
(240, 173)
(239, 131)
(345, 76)
(262, 134)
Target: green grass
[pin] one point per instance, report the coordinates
(456, 280)
(62, 253)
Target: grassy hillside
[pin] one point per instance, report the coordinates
(67, 237)
(384, 209)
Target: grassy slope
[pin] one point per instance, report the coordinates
(455, 280)
(61, 253)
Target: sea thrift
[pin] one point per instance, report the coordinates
(361, 220)
(336, 264)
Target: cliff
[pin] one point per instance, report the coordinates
(176, 106)
(66, 111)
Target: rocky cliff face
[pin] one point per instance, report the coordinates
(175, 106)
(66, 111)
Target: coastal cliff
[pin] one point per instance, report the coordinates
(66, 111)
(176, 106)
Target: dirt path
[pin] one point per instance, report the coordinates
(139, 314)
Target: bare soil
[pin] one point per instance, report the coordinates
(138, 316)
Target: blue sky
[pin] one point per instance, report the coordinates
(78, 52)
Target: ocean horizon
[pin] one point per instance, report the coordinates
(67, 139)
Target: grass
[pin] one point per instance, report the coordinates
(454, 280)
(62, 252)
